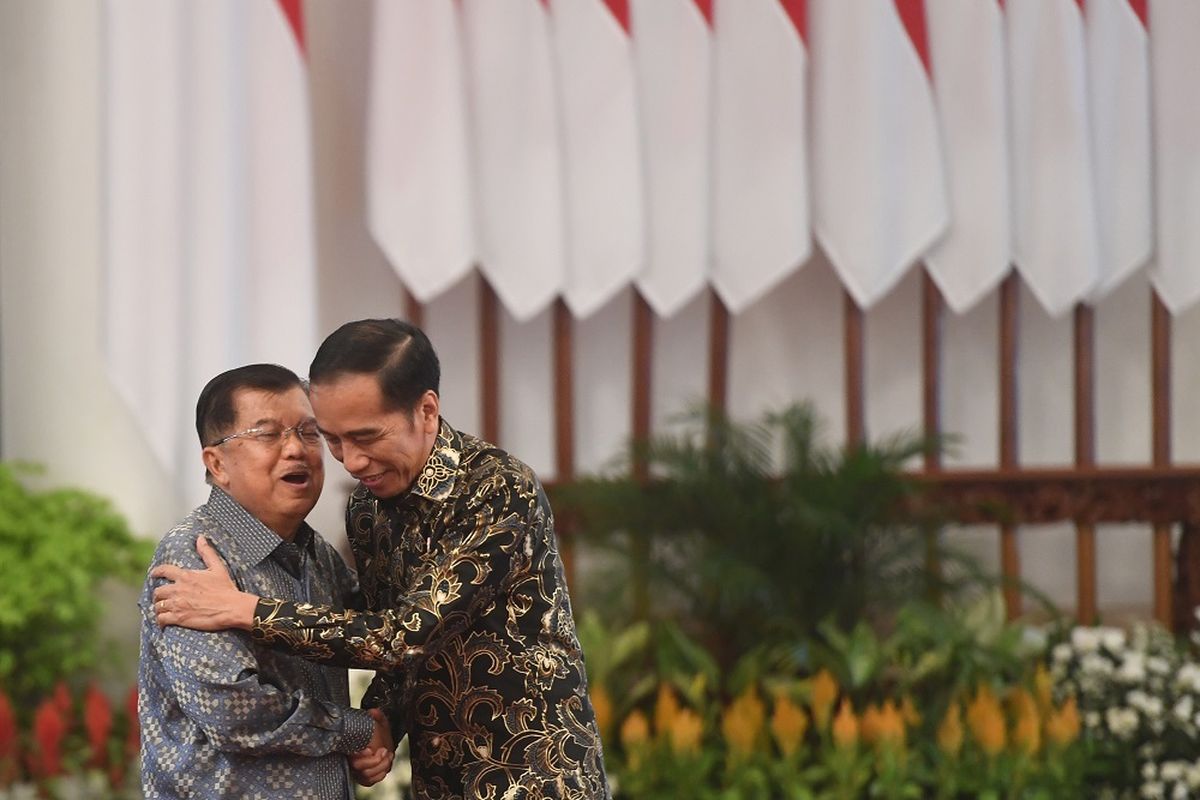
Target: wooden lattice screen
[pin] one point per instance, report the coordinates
(1008, 496)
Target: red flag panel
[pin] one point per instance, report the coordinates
(796, 11)
(1142, 10)
(620, 10)
(294, 12)
(912, 14)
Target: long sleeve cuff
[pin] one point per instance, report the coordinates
(357, 734)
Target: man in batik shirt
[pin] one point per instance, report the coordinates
(223, 716)
(472, 633)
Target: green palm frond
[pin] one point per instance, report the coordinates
(753, 533)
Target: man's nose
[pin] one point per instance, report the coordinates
(353, 457)
(291, 444)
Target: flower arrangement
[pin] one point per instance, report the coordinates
(822, 745)
(70, 747)
(1139, 697)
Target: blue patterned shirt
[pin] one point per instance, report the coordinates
(225, 717)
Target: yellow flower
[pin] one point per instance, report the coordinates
(891, 733)
(1043, 686)
(986, 721)
(845, 727)
(1027, 728)
(788, 725)
(685, 732)
(950, 732)
(824, 694)
(742, 722)
(907, 710)
(1062, 725)
(870, 725)
(603, 709)
(635, 730)
(666, 706)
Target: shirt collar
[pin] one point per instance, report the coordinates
(437, 477)
(251, 542)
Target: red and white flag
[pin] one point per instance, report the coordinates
(672, 45)
(516, 151)
(761, 229)
(879, 186)
(1175, 64)
(209, 256)
(602, 157)
(1055, 244)
(1118, 51)
(418, 164)
(966, 49)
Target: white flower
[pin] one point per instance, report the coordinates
(1188, 677)
(1092, 719)
(1123, 722)
(1061, 653)
(1149, 771)
(1113, 639)
(1149, 705)
(1132, 669)
(1095, 664)
(1180, 792)
(1085, 640)
(1033, 640)
(1154, 789)
(1158, 665)
(1173, 771)
(1183, 708)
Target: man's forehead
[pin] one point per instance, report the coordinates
(258, 405)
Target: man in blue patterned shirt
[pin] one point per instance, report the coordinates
(221, 715)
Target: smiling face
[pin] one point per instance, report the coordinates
(385, 449)
(278, 483)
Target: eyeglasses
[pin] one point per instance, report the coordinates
(273, 436)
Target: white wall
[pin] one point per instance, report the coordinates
(57, 408)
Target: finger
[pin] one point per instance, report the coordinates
(371, 760)
(376, 774)
(209, 555)
(161, 613)
(168, 571)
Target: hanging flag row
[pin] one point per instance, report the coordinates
(575, 147)
(209, 255)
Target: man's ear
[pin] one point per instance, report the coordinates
(429, 411)
(214, 462)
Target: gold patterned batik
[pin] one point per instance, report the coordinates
(470, 630)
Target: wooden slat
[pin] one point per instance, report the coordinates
(643, 356)
(643, 365)
(489, 360)
(564, 426)
(414, 310)
(1085, 456)
(931, 367)
(1010, 559)
(1039, 496)
(855, 372)
(931, 411)
(1160, 365)
(718, 354)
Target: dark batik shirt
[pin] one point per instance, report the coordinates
(223, 716)
(472, 634)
